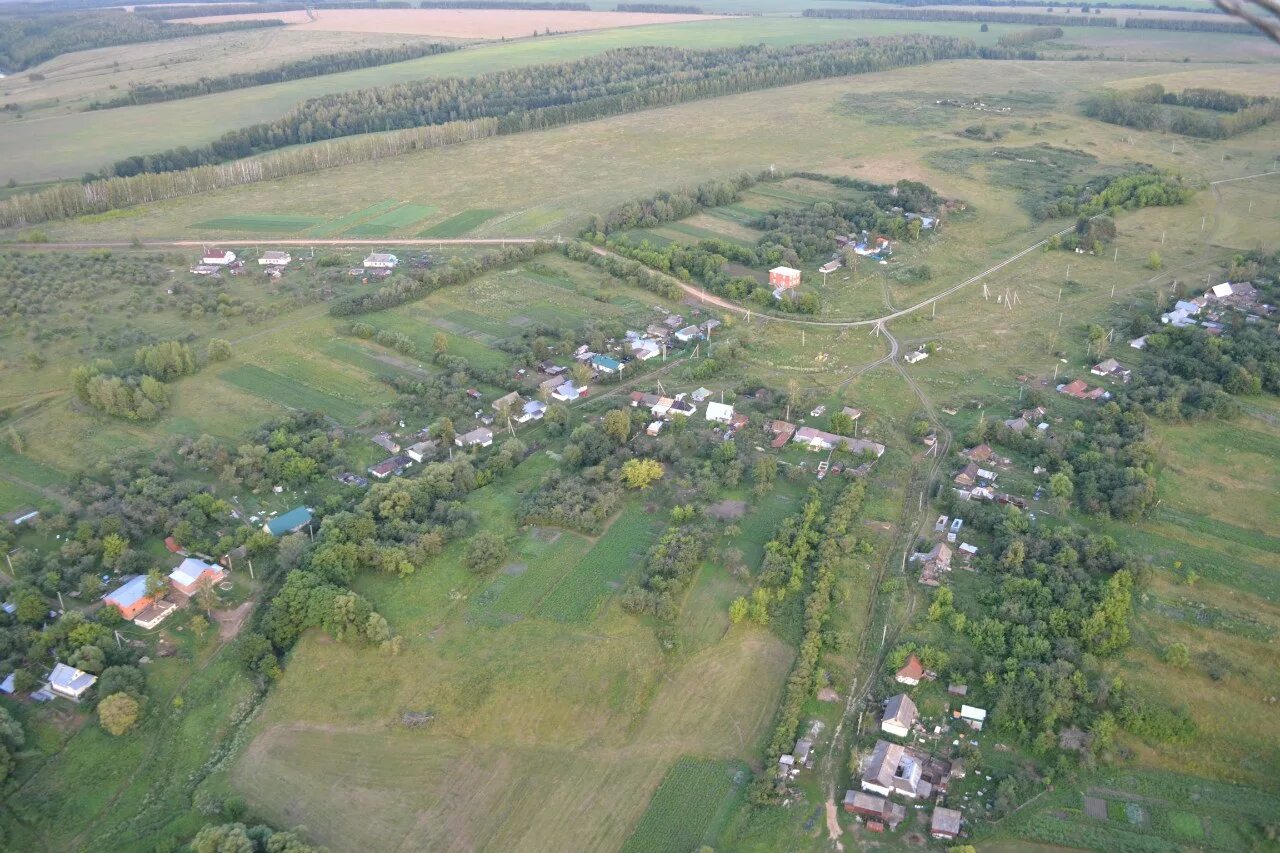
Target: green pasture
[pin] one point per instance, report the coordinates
(536, 567)
(616, 556)
(461, 223)
(689, 807)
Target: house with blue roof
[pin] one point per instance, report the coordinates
(289, 522)
(131, 597)
(604, 364)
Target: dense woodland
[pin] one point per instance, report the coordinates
(315, 66)
(541, 96)
(1030, 36)
(1204, 113)
(27, 40)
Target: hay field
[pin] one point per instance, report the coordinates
(451, 23)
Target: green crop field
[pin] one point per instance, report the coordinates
(260, 223)
(460, 224)
(693, 798)
(603, 569)
(392, 221)
(337, 226)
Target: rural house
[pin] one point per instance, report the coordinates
(386, 442)
(512, 402)
(914, 357)
(275, 259)
(533, 410)
(687, 334)
(900, 715)
(1018, 424)
(946, 823)
(420, 451)
(130, 598)
(1114, 369)
(911, 673)
(381, 261)
(191, 574)
(392, 465)
(604, 364)
(290, 522)
(975, 717)
(566, 392)
(783, 278)
(645, 349)
(894, 769)
(69, 682)
(218, 258)
(719, 412)
(817, 439)
(781, 432)
(876, 808)
(478, 437)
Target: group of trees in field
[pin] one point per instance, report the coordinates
(1200, 112)
(539, 5)
(541, 96)
(314, 66)
(572, 501)
(660, 8)
(668, 570)
(29, 37)
(139, 393)
(238, 838)
(1130, 191)
(670, 206)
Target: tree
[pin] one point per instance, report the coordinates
(984, 28)
(485, 552)
(641, 473)
(919, 429)
(556, 419)
(1153, 261)
(118, 713)
(157, 584)
(227, 838)
(122, 679)
(16, 442)
(89, 658)
(738, 610)
(1176, 655)
(617, 425)
(445, 431)
(199, 625)
(440, 345)
(113, 548)
(219, 350)
(841, 424)
(581, 374)
(1061, 486)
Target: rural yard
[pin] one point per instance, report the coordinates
(738, 427)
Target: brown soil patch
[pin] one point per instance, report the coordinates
(1095, 808)
(454, 23)
(826, 694)
(230, 621)
(727, 510)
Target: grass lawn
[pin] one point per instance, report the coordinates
(289, 392)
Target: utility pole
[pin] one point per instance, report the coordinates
(1117, 255)
(1162, 233)
(1068, 272)
(250, 562)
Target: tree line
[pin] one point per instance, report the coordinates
(504, 4)
(65, 201)
(1152, 108)
(541, 96)
(1031, 36)
(314, 66)
(163, 12)
(660, 8)
(1122, 6)
(29, 39)
(960, 15)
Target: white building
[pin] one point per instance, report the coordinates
(719, 412)
(275, 259)
(381, 261)
(218, 257)
(69, 682)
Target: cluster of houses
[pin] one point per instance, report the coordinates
(215, 261)
(1210, 308)
(1080, 390)
(895, 769)
(817, 440)
(147, 611)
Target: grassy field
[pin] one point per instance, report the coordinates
(460, 223)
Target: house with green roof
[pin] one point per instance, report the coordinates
(289, 522)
